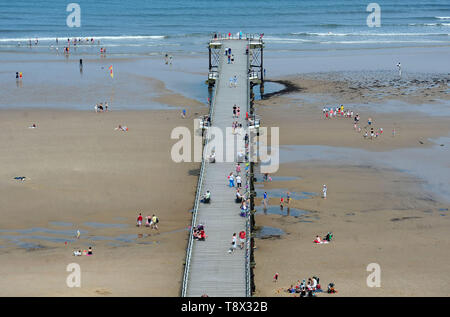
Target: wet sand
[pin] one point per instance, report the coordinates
(378, 213)
(82, 174)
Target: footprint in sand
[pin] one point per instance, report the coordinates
(103, 291)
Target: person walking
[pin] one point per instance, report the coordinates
(399, 67)
(242, 239)
(265, 200)
(238, 181)
(231, 179)
(154, 222)
(324, 191)
(233, 243)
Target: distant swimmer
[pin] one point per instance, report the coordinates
(399, 66)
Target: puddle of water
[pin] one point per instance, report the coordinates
(70, 233)
(99, 225)
(266, 232)
(112, 244)
(61, 224)
(16, 239)
(260, 178)
(282, 192)
(121, 238)
(429, 164)
(276, 210)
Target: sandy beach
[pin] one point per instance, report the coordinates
(83, 175)
(378, 212)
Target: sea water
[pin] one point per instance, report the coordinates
(146, 27)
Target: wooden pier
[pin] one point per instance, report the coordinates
(210, 268)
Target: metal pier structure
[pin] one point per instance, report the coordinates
(210, 268)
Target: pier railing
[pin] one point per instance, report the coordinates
(197, 198)
(248, 290)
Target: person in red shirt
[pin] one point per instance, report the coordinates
(139, 220)
(202, 235)
(242, 238)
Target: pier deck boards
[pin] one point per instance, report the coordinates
(212, 270)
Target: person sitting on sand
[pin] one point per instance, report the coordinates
(328, 237)
(77, 253)
(90, 251)
(317, 240)
(331, 289)
(33, 126)
(121, 128)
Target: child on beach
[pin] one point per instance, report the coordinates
(139, 220)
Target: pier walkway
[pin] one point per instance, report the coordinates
(210, 269)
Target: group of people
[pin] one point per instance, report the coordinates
(229, 56)
(232, 178)
(84, 252)
(369, 131)
(286, 201)
(327, 239)
(236, 111)
(306, 289)
(168, 59)
(199, 233)
(99, 107)
(151, 222)
(234, 242)
(333, 112)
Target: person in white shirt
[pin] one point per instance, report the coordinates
(238, 181)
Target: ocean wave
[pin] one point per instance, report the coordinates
(442, 18)
(63, 38)
(429, 24)
(367, 34)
